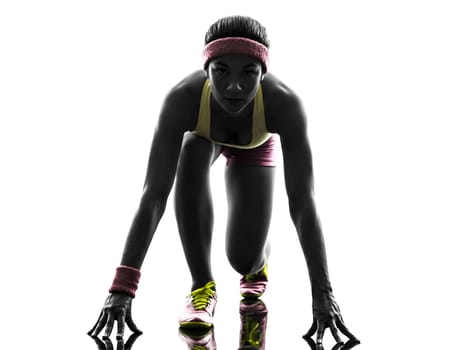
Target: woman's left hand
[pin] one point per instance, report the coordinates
(326, 314)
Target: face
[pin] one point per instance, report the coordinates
(234, 81)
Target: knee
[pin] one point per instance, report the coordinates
(245, 264)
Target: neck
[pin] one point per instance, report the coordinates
(218, 111)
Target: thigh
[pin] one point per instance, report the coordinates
(250, 193)
(192, 180)
(197, 153)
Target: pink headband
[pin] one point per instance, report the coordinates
(236, 45)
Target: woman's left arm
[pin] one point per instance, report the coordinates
(299, 180)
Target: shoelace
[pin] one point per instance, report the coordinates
(253, 277)
(252, 334)
(199, 347)
(250, 278)
(202, 296)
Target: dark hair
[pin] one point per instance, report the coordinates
(242, 26)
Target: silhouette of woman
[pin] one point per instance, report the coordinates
(235, 107)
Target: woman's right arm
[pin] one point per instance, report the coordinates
(159, 179)
(174, 121)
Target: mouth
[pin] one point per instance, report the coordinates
(234, 101)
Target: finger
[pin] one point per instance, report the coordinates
(311, 331)
(338, 314)
(344, 329)
(96, 324)
(338, 346)
(109, 326)
(132, 324)
(131, 340)
(320, 333)
(120, 324)
(120, 344)
(100, 325)
(311, 343)
(335, 334)
(100, 344)
(109, 345)
(350, 344)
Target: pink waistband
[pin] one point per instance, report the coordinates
(263, 155)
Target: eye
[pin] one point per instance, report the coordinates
(252, 72)
(220, 71)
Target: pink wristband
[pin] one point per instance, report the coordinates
(126, 280)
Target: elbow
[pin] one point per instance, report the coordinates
(299, 205)
(153, 202)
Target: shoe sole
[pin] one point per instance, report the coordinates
(251, 296)
(195, 325)
(194, 333)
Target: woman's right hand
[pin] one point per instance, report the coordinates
(117, 307)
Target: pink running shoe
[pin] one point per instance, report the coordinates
(254, 285)
(199, 309)
(253, 314)
(197, 340)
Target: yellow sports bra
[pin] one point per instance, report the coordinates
(259, 131)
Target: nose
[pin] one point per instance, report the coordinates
(234, 86)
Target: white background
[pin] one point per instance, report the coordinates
(385, 87)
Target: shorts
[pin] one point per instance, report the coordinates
(263, 155)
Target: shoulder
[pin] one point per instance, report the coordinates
(283, 107)
(188, 89)
(182, 101)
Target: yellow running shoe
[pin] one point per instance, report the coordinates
(254, 285)
(198, 340)
(199, 309)
(253, 314)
